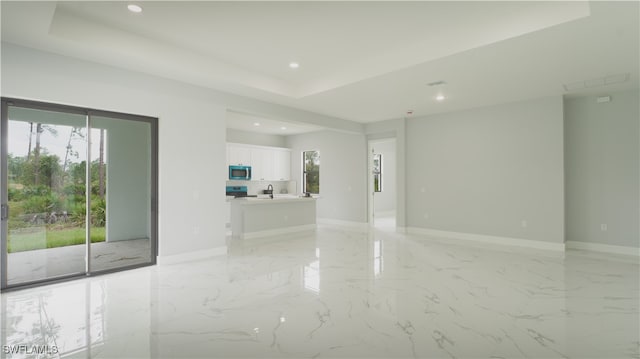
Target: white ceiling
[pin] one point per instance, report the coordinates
(361, 61)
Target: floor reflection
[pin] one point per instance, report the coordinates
(62, 321)
(311, 274)
(378, 263)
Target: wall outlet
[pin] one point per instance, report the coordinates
(196, 230)
(524, 223)
(426, 215)
(422, 190)
(603, 227)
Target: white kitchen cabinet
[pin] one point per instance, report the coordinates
(262, 164)
(282, 164)
(238, 155)
(267, 163)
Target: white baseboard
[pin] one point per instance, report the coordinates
(402, 230)
(519, 242)
(278, 232)
(605, 248)
(336, 222)
(192, 256)
(390, 213)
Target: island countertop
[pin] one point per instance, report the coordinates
(263, 216)
(267, 200)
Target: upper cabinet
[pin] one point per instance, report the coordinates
(262, 164)
(238, 155)
(282, 164)
(267, 163)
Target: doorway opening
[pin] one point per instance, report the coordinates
(383, 183)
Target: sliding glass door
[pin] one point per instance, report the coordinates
(78, 192)
(121, 193)
(46, 159)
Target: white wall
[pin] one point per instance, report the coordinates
(254, 138)
(484, 171)
(385, 201)
(343, 163)
(602, 169)
(191, 133)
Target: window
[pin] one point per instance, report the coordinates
(311, 171)
(377, 173)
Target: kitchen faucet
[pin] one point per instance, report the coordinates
(270, 190)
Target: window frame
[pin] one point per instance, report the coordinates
(305, 173)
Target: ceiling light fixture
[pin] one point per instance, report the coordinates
(283, 128)
(134, 8)
(440, 98)
(256, 124)
(294, 65)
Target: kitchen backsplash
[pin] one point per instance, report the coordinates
(256, 187)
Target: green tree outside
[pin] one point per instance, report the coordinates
(47, 196)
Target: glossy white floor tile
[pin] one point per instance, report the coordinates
(385, 221)
(342, 294)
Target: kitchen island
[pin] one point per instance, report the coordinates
(261, 217)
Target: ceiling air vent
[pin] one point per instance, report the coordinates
(436, 83)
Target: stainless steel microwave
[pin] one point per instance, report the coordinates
(242, 173)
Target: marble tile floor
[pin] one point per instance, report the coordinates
(40, 264)
(337, 293)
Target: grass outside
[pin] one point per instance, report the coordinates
(28, 241)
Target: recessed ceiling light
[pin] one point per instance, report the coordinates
(294, 65)
(440, 98)
(134, 8)
(256, 123)
(283, 128)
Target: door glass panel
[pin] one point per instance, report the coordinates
(120, 193)
(46, 194)
(311, 174)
